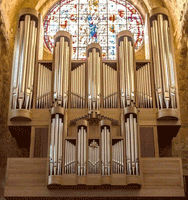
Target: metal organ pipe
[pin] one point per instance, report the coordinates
(109, 87)
(24, 61)
(93, 159)
(144, 87)
(128, 103)
(43, 87)
(126, 65)
(81, 152)
(61, 69)
(94, 76)
(117, 158)
(163, 60)
(56, 146)
(78, 87)
(105, 150)
(70, 158)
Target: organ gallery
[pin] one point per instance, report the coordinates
(95, 121)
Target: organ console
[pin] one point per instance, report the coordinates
(97, 107)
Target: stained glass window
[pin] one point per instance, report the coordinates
(93, 21)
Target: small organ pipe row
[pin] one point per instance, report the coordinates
(61, 73)
(117, 158)
(23, 64)
(81, 152)
(78, 87)
(93, 158)
(144, 87)
(109, 87)
(44, 87)
(56, 145)
(126, 65)
(70, 158)
(164, 66)
(94, 82)
(131, 146)
(105, 150)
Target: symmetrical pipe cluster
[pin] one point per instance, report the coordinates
(127, 71)
(70, 158)
(78, 87)
(117, 158)
(144, 87)
(61, 70)
(105, 150)
(94, 79)
(132, 145)
(24, 62)
(81, 152)
(93, 158)
(109, 87)
(44, 87)
(56, 145)
(164, 66)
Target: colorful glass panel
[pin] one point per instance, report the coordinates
(93, 21)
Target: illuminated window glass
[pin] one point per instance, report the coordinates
(93, 21)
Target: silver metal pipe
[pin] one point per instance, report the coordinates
(163, 60)
(98, 84)
(15, 67)
(55, 95)
(85, 143)
(102, 151)
(128, 146)
(155, 65)
(136, 145)
(56, 143)
(23, 62)
(149, 84)
(131, 70)
(52, 146)
(84, 85)
(170, 66)
(158, 65)
(66, 150)
(108, 150)
(81, 150)
(29, 63)
(122, 74)
(132, 144)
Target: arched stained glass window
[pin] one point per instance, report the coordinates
(93, 21)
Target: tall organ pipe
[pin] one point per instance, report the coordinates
(105, 150)
(62, 52)
(163, 59)
(81, 152)
(127, 70)
(56, 140)
(24, 60)
(94, 76)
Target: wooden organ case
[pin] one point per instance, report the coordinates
(95, 127)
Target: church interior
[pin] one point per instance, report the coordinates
(93, 99)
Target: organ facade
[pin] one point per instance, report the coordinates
(94, 124)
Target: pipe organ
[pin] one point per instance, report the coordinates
(43, 99)
(94, 109)
(94, 77)
(23, 64)
(164, 64)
